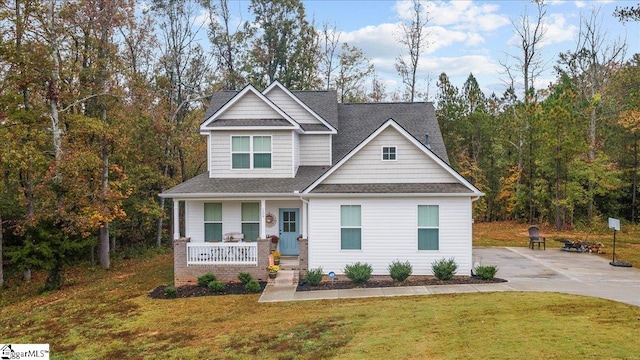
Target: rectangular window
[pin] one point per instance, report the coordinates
(262, 152)
(389, 153)
(212, 222)
(251, 152)
(428, 227)
(350, 227)
(251, 221)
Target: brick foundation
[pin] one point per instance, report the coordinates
(303, 258)
(188, 275)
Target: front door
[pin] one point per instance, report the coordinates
(289, 231)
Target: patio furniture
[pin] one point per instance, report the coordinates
(535, 238)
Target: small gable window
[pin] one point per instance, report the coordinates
(389, 153)
(251, 152)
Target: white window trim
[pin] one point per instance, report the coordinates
(395, 153)
(351, 227)
(213, 221)
(426, 227)
(242, 222)
(251, 152)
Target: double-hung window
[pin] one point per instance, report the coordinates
(251, 220)
(350, 227)
(389, 153)
(212, 222)
(251, 152)
(428, 227)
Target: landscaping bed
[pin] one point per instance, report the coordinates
(231, 288)
(378, 281)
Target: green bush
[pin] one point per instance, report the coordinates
(400, 271)
(171, 292)
(444, 269)
(244, 278)
(217, 286)
(205, 279)
(486, 272)
(314, 276)
(252, 287)
(358, 273)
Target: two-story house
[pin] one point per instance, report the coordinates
(338, 183)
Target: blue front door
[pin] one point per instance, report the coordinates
(289, 231)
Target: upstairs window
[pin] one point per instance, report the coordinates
(212, 222)
(251, 152)
(389, 153)
(428, 227)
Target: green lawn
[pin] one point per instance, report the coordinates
(107, 315)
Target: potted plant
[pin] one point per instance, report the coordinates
(274, 241)
(273, 271)
(276, 257)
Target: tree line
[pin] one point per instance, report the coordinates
(101, 100)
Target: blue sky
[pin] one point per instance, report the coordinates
(465, 36)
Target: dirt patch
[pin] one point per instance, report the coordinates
(387, 281)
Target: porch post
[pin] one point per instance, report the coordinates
(304, 218)
(176, 219)
(263, 213)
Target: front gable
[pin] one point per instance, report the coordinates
(249, 109)
(413, 163)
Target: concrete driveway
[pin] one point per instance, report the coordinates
(561, 271)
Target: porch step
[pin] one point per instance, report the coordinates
(285, 278)
(289, 263)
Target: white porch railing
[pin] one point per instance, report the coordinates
(222, 253)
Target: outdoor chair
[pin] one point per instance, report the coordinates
(535, 238)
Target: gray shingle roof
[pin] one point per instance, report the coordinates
(408, 188)
(202, 184)
(358, 121)
(250, 122)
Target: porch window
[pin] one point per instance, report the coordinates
(251, 220)
(350, 227)
(212, 222)
(251, 152)
(389, 153)
(428, 227)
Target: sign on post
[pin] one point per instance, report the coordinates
(614, 224)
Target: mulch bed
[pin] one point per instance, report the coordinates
(387, 281)
(237, 288)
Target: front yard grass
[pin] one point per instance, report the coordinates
(107, 314)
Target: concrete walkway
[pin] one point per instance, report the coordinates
(551, 270)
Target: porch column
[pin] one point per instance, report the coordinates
(176, 219)
(263, 224)
(304, 219)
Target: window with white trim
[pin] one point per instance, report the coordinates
(389, 153)
(350, 227)
(213, 222)
(251, 152)
(250, 220)
(428, 227)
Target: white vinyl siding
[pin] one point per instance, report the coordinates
(212, 222)
(315, 150)
(250, 107)
(220, 156)
(412, 166)
(389, 233)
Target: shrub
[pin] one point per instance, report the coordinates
(205, 279)
(444, 269)
(358, 273)
(252, 287)
(171, 292)
(314, 276)
(244, 278)
(217, 286)
(486, 272)
(400, 271)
